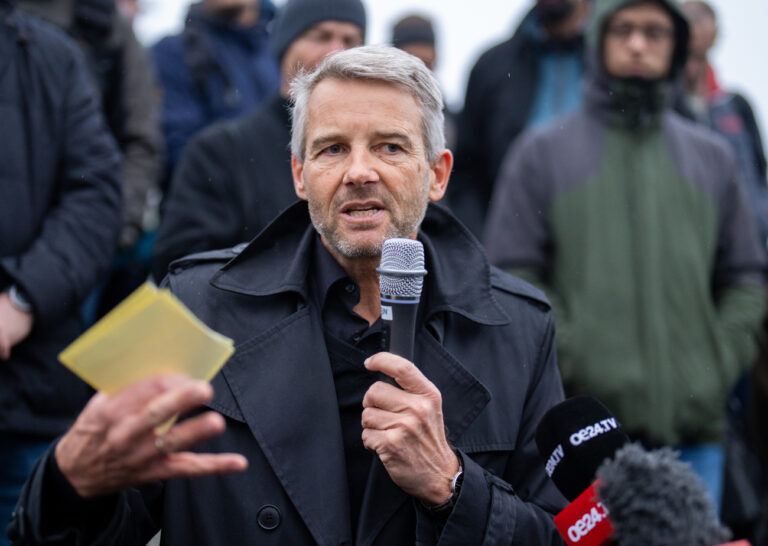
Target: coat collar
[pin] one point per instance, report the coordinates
(277, 261)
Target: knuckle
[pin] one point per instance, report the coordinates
(368, 437)
(402, 367)
(365, 418)
(409, 426)
(436, 395)
(422, 409)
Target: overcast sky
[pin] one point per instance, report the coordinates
(466, 28)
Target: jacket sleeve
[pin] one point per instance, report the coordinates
(748, 115)
(49, 512)
(79, 234)
(516, 508)
(738, 279)
(142, 141)
(201, 210)
(183, 112)
(517, 234)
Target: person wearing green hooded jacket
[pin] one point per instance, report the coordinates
(633, 221)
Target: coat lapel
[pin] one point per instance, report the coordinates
(283, 383)
(464, 397)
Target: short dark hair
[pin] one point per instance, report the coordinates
(696, 10)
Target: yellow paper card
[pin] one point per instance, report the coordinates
(151, 332)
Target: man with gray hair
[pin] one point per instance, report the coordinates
(328, 453)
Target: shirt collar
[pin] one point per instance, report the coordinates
(326, 271)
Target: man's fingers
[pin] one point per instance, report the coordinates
(387, 397)
(404, 372)
(176, 401)
(138, 395)
(191, 465)
(377, 419)
(177, 396)
(191, 432)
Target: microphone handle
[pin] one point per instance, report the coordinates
(399, 318)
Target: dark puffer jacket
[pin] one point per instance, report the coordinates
(60, 214)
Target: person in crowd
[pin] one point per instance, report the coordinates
(731, 116)
(235, 176)
(727, 113)
(415, 34)
(530, 79)
(61, 203)
(633, 220)
(219, 67)
(125, 78)
(334, 455)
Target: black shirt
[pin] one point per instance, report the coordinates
(349, 340)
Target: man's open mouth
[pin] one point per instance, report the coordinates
(361, 211)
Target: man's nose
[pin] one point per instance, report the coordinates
(637, 41)
(360, 168)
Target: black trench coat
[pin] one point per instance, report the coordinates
(487, 342)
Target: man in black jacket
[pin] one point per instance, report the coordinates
(528, 80)
(235, 176)
(125, 78)
(60, 217)
(334, 454)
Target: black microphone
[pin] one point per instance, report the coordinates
(620, 493)
(575, 437)
(401, 277)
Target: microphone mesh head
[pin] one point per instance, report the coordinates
(402, 268)
(656, 500)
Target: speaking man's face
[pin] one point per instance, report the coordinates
(365, 173)
(639, 42)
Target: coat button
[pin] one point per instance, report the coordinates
(268, 517)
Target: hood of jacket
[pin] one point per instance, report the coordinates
(602, 10)
(632, 103)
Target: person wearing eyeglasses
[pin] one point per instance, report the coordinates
(633, 221)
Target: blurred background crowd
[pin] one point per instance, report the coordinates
(143, 131)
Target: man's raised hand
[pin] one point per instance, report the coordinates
(113, 444)
(405, 428)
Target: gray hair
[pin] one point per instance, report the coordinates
(383, 64)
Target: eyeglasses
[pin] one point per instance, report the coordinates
(654, 34)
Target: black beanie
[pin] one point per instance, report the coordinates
(296, 16)
(413, 30)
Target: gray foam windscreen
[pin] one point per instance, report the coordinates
(402, 268)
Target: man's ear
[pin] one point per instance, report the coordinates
(297, 168)
(439, 175)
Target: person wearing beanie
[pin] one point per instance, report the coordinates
(235, 176)
(414, 34)
(634, 222)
